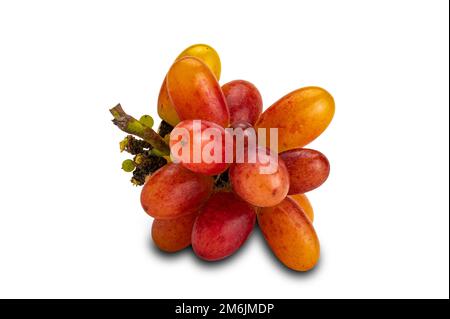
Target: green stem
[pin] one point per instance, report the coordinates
(132, 126)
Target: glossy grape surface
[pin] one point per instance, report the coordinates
(224, 224)
(209, 56)
(195, 93)
(174, 191)
(301, 116)
(172, 235)
(205, 53)
(308, 169)
(290, 235)
(303, 201)
(257, 186)
(244, 101)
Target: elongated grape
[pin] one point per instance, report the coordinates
(301, 116)
(201, 51)
(262, 180)
(303, 201)
(173, 191)
(166, 110)
(308, 169)
(199, 146)
(224, 224)
(244, 101)
(172, 235)
(290, 235)
(195, 93)
(205, 53)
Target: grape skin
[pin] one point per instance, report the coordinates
(262, 190)
(224, 224)
(174, 191)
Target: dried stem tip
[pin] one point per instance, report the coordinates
(132, 126)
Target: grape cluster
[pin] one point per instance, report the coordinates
(214, 206)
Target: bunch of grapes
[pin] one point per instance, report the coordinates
(214, 206)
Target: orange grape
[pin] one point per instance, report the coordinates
(303, 201)
(301, 116)
(172, 235)
(195, 93)
(290, 235)
(201, 51)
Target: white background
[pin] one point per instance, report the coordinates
(71, 224)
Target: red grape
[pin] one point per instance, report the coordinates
(173, 191)
(199, 151)
(308, 169)
(224, 224)
(244, 101)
